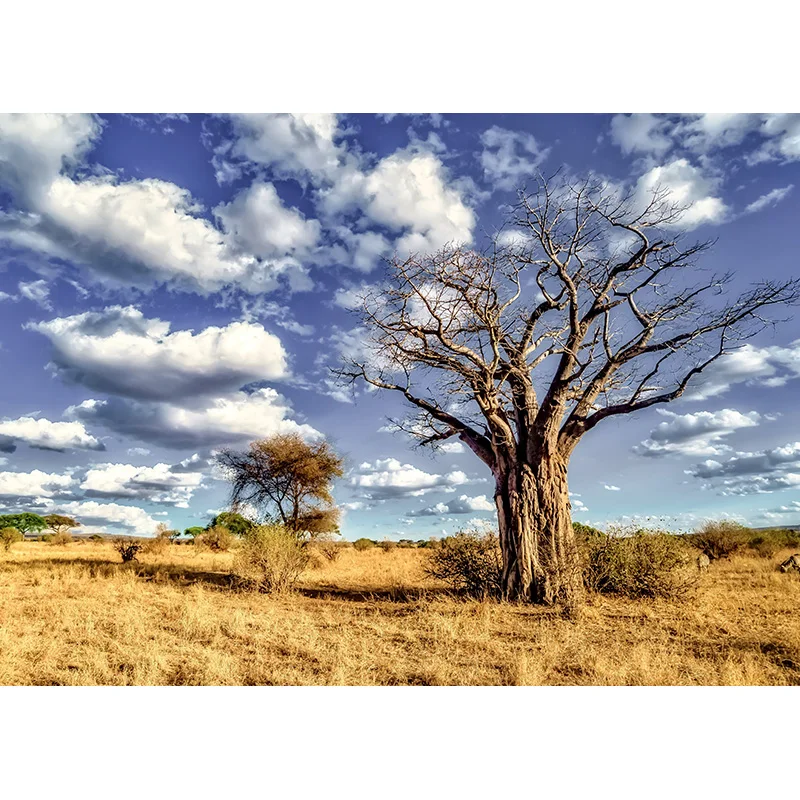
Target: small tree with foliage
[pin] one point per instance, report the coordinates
(289, 479)
(60, 524)
(9, 536)
(26, 522)
(236, 523)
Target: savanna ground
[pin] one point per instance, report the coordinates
(75, 615)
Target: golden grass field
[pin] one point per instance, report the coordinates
(75, 615)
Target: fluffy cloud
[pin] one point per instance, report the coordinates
(697, 434)
(748, 364)
(34, 148)
(291, 145)
(121, 352)
(610, 488)
(407, 192)
(228, 419)
(769, 199)
(21, 487)
(686, 186)
(259, 223)
(463, 505)
(135, 232)
(387, 478)
(777, 135)
(508, 157)
(110, 517)
(156, 484)
(451, 447)
(46, 435)
(783, 137)
(640, 133)
(753, 473)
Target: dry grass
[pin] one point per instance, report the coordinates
(75, 615)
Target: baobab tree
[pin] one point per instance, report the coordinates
(594, 308)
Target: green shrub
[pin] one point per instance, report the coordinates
(636, 563)
(720, 539)
(217, 538)
(9, 536)
(363, 544)
(469, 562)
(128, 549)
(271, 558)
(46, 537)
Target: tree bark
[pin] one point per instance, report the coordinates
(540, 557)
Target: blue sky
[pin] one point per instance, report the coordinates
(170, 285)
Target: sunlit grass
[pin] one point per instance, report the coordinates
(75, 615)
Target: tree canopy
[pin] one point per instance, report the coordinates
(287, 479)
(25, 522)
(60, 523)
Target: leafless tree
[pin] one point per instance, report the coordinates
(596, 309)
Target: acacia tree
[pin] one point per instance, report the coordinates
(289, 479)
(60, 524)
(26, 522)
(597, 310)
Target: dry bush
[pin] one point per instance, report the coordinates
(128, 549)
(720, 539)
(217, 538)
(363, 544)
(271, 558)
(636, 564)
(61, 539)
(329, 550)
(387, 545)
(469, 562)
(764, 546)
(156, 546)
(9, 536)
(768, 543)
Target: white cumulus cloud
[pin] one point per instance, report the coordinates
(43, 434)
(120, 351)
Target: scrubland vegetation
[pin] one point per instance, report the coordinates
(75, 614)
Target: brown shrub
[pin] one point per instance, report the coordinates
(329, 550)
(156, 546)
(720, 539)
(61, 539)
(363, 544)
(469, 562)
(271, 558)
(217, 538)
(128, 549)
(636, 563)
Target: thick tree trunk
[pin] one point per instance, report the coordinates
(540, 557)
